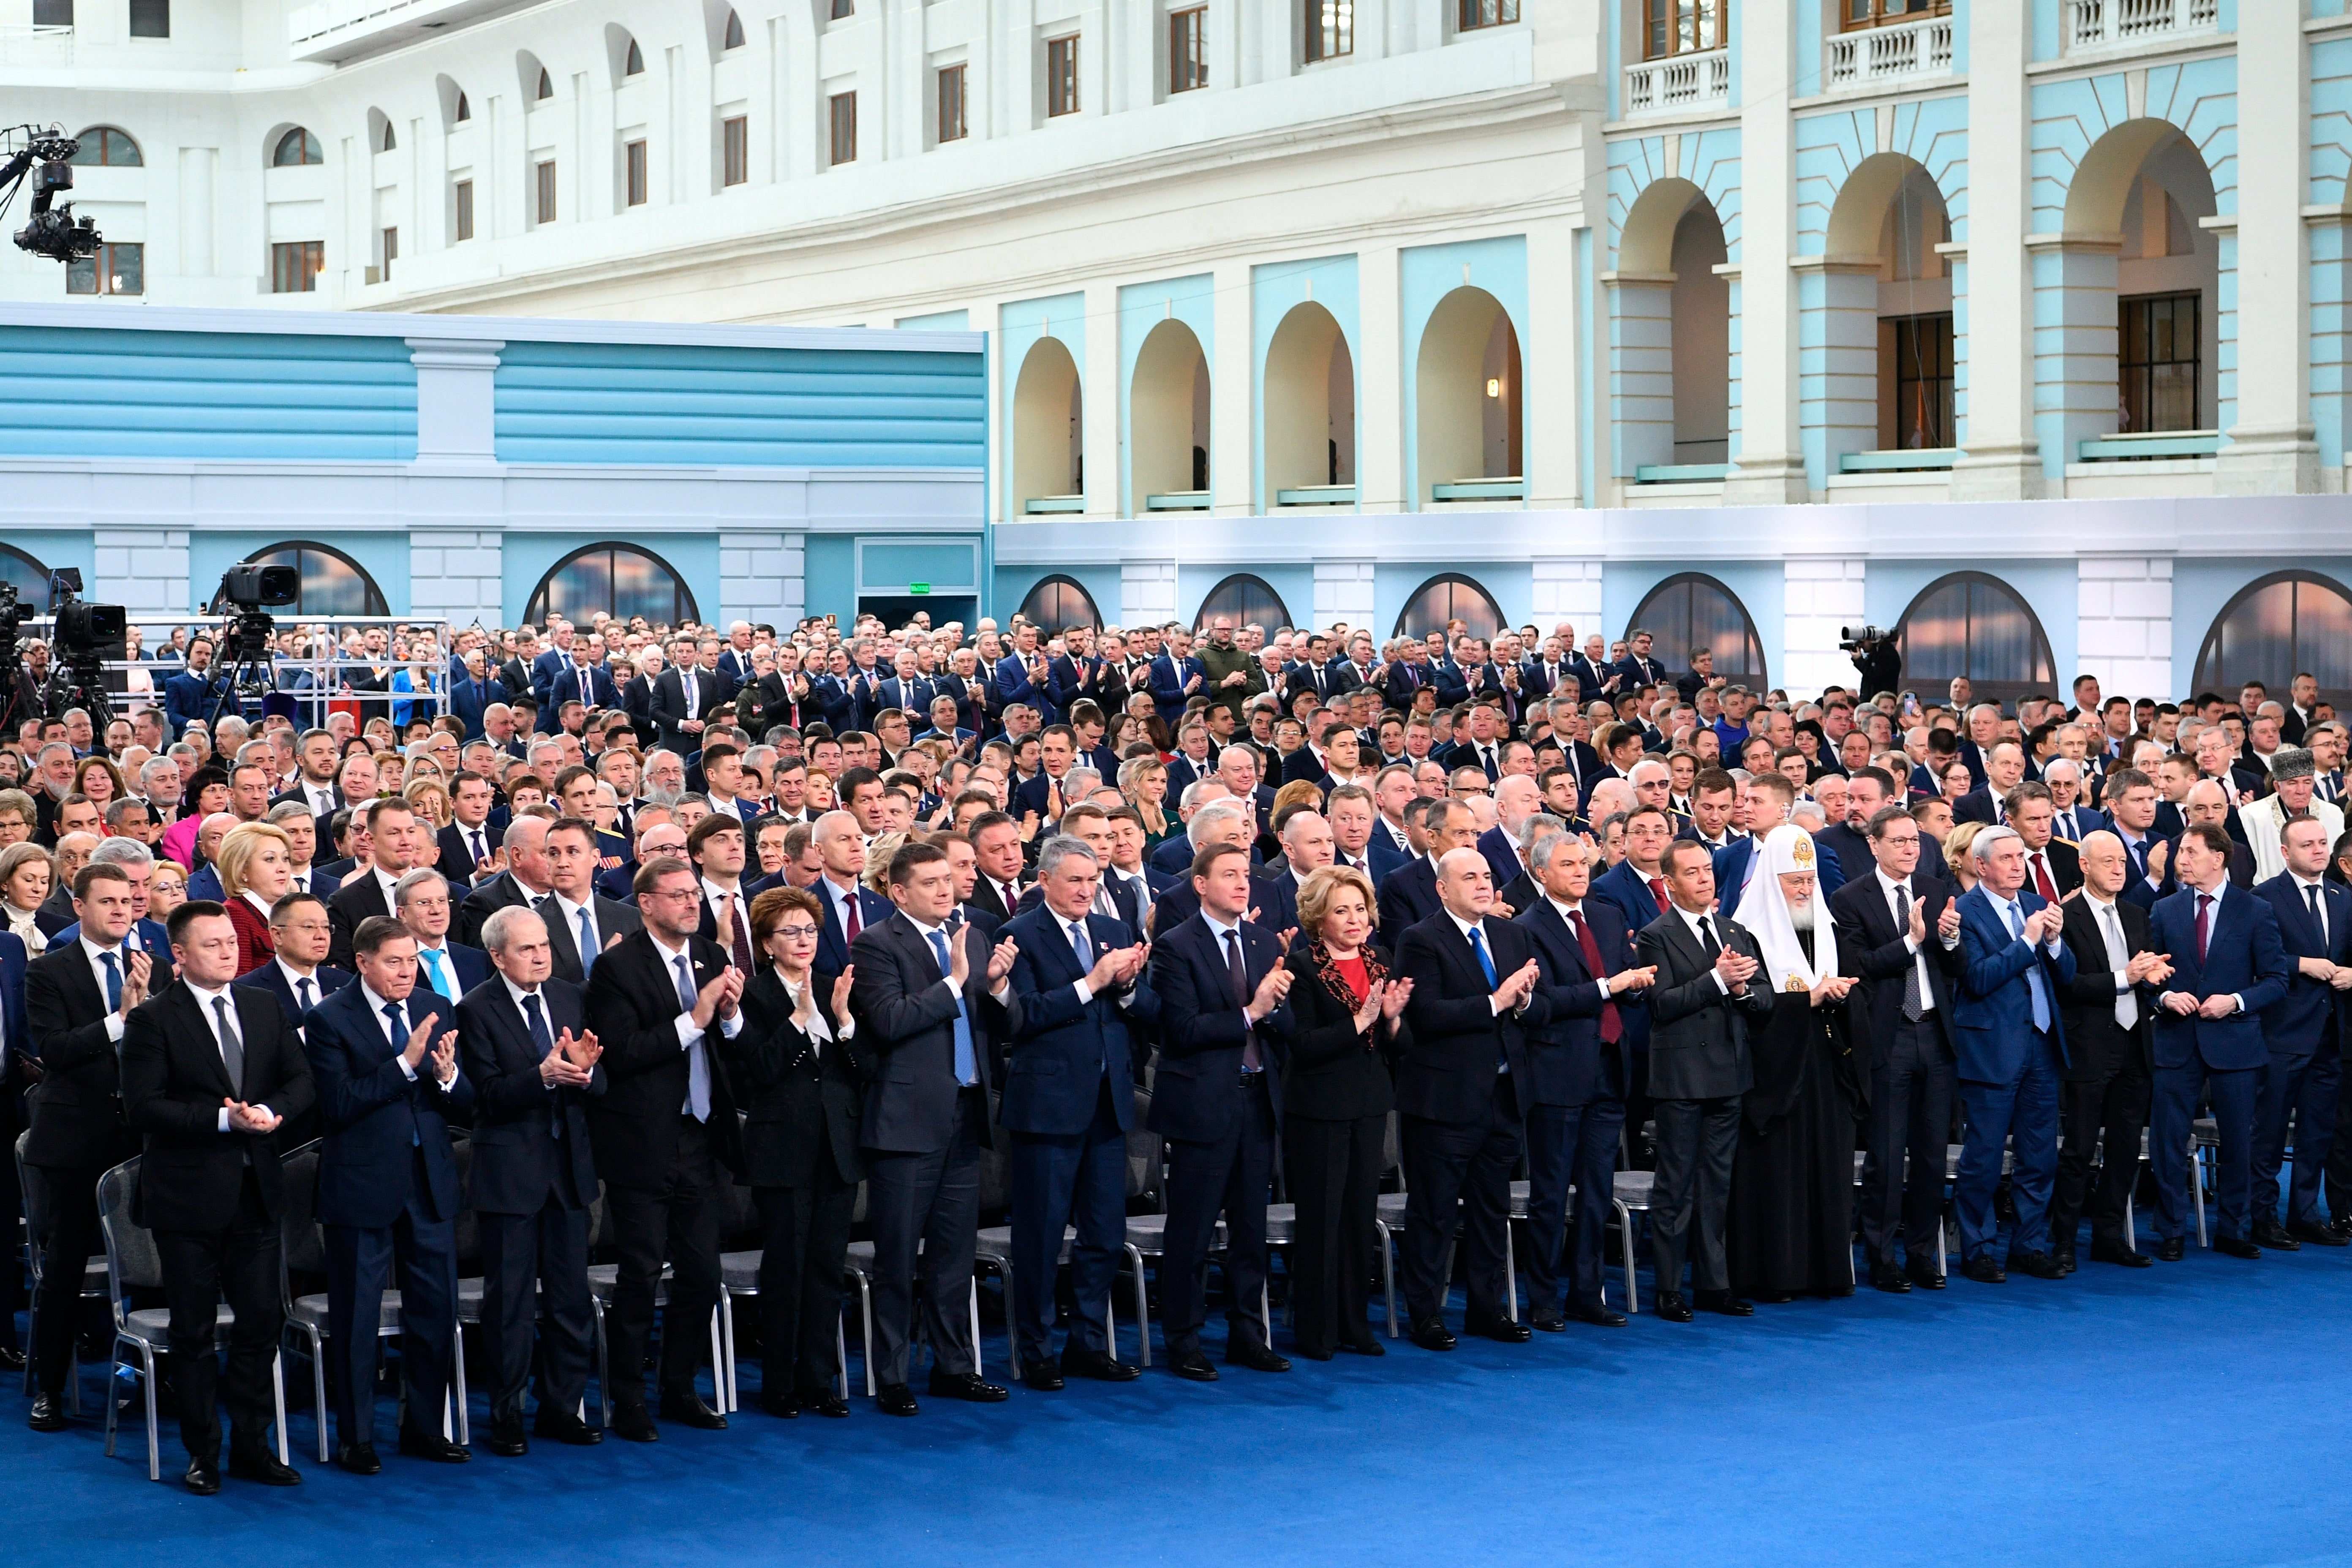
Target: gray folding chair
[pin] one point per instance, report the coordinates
(994, 1252)
(132, 1263)
(1146, 1237)
(33, 1183)
(859, 1266)
(1629, 1190)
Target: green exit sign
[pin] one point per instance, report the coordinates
(918, 587)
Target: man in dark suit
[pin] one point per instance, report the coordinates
(1408, 896)
(2051, 867)
(1637, 667)
(208, 1073)
(584, 681)
(1176, 677)
(1222, 987)
(397, 840)
(1701, 1005)
(2008, 1043)
(1580, 1068)
(2109, 1009)
(1069, 1103)
(2227, 965)
(2207, 803)
(2303, 1031)
(683, 697)
(383, 1054)
(2005, 767)
(14, 1037)
(298, 975)
(925, 1006)
(532, 1061)
(664, 1125)
(525, 880)
(851, 908)
(581, 922)
(469, 843)
(1898, 931)
(76, 997)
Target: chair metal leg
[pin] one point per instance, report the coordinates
(717, 1362)
(277, 1387)
(1142, 1305)
(1511, 1275)
(319, 1387)
(603, 1359)
(726, 1338)
(465, 1419)
(2197, 1191)
(113, 1398)
(154, 1426)
(1626, 1241)
(866, 1314)
(977, 1364)
(1387, 1272)
(840, 1355)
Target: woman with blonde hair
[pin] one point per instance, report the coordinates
(25, 873)
(167, 889)
(1959, 846)
(877, 875)
(256, 869)
(429, 799)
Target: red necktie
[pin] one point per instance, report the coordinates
(850, 923)
(1658, 891)
(1611, 1030)
(2041, 883)
(2204, 922)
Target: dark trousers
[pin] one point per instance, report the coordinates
(359, 1263)
(550, 1248)
(925, 1210)
(2307, 1087)
(1233, 1174)
(2021, 1118)
(678, 1221)
(1691, 1192)
(2172, 1123)
(237, 1263)
(1459, 1173)
(1570, 1145)
(1061, 1181)
(74, 1236)
(803, 1234)
(11, 1201)
(1333, 1174)
(2107, 1112)
(1910, 1114)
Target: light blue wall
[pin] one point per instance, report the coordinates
(2048, 587)
(1142, 307)
(1275, 291)
(54, 549)
(830, 573)
(1759, 585)
(529, 557)
(382, 554)
(1426, 275)
(1710, 161)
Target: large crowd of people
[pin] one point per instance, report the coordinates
(581, 931)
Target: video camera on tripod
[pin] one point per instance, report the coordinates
(248, 636)
(82, 639)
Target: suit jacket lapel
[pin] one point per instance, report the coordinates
(199, 1030)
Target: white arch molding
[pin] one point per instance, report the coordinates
(1310, 404)
(1168, 418)
(1047, 419)
(1467, 408)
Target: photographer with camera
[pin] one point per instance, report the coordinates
(1874, 654)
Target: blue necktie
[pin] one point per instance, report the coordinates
(697, 1060)
(1478, 946)
(113, 980)
(967, 1074)
(440, 981)
(544, 1043)
(398, 1025)
(587, 944)
(2033, 976)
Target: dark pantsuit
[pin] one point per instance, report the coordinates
(12, 1281)
(1570, 1145)
(804, 1233)
(552, 1246)
(1696, 1140)
(1459, 1171)
(74, 1236)
(201, 1269)
(680, 1222)
(931, 1201)
(1234, 1173)
(1059, 1181)
(1332, 1172)
(2020, 1115)
(360, 1262)
(2170, 1125)
(2109, 1112)
(2308, 1088)
(1910, 1120)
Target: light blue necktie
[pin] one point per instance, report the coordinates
(698, 1062)
(440, 981)
(967, 1074)
(2033, 976)
(587, 944)
(113, 980)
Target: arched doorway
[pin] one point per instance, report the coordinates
(27, 576)
(1887, 321)
(1467, 406)
(2277, 627)
(1059, 602)
(1972, 624)
(1445, 598)
(1310, 410)
(1048, 463)
(1690, 611)
(620, 579)
(1168, 423)
(1670, 368)
(333, 582)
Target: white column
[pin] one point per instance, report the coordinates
(1820, 594)
(1548, 368)
(1771, 466)
(2124, 633)
(2003, 461)
(1147, 593)
(1566, 589)
(2270, 448)
(761, 576)
(2074, 353)
(144, 570)
(1380, 372)
(1231, 421)
(1343, 591)
(1098, 435)
(457, 575)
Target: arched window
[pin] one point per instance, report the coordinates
(734, 32)
(1058, 603)
(1450, 597)
(27, 576)
(1691, 610)
(465, 109)
(546, 85)
(1972, 624)
(1248, 600)
(333, 582)
(2279, 627)
(296, 146)
(390, 142)
(635, 65)
(103, 146)
(615, 577)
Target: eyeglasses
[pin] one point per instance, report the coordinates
(796, 933)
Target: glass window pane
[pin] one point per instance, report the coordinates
(1247, 600)
(622, 581)
(1448, 599)
(2001, 636)
(1935, 634)
(331, 585)
(1057, 603)
(1687, 611)
(2323, 636)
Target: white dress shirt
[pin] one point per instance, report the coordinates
(1690, 922)
(1887, 887)
(2110, 924)
(570, 914)
(377, 1004)
(1577, 909)
(94, 953)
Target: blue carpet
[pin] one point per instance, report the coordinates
(2189, 1414)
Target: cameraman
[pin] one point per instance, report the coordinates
(193, 696)
(1879, 661)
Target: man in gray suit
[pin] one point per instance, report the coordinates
(1699, 1068)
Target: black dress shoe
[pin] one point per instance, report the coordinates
(688, 1410)
(1722, 1301)
(1256, 1356)
(48, 1413)
(1044, 1374)
(1099, 1365)
(896, 1399)
(1431, 1334)
(261, 1465)
(2271, 1235)
(1923, 1274)
(1193, 1366)
(968, 1386)
(2039, 1265)
(563, 1427)
(433, 1446)
(358, 1458)
(2064, 1260)
(2111, 1252)
(1985, 1270)
(1673, 1308)
(1499, 1328)
(2317, 1235)
(2341, 1227)
(824, 1402)
(506, 1439)
(2171, 1250)
(783, 1406)
(203, 1478)
(1369, 1345)
(1887, 1277)
(1549, 1323)
(636, 1423)
(1598, 1317)
(2236, 1246)
(1774, 1297)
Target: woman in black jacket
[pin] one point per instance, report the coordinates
(799, 1077)
(1335, 1099)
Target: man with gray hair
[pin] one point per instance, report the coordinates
(420, 901)
(2294, 784)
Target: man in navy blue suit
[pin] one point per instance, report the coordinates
(1771, 798)
(850, 906)
(1408, 896)
(1579, 1069)
(581, 680)
(2227, 965)
(298, 975)
(1176, 675)
(1022, 676)
(1069, 1103)
(2302, 1030)
(192, 696)
(1224, 1016)
(447, 968)
(2008, 1043)
(1636, 886)
(384, 1055)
